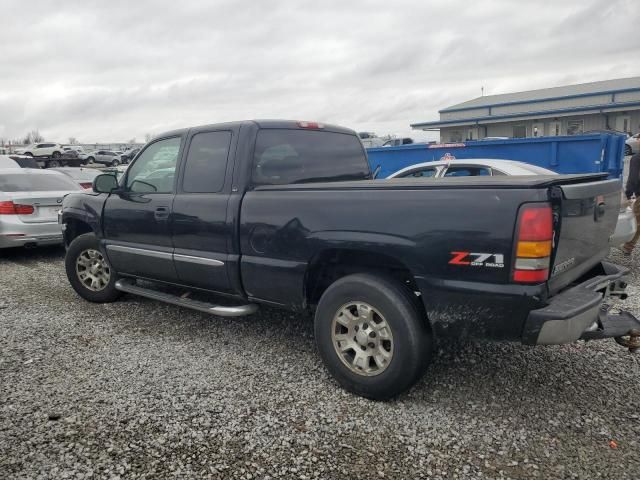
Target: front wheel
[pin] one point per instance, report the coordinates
(372, 335)
(53, 164)
(115, 163)
(56, 155)
(91, 160)
(89, 272)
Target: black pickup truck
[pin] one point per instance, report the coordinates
(287, 214)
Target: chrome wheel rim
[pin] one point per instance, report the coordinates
(362, 339)
(93, 270)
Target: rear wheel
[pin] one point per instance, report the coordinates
(372, 335)
(56, 155)
(28, 154)
(88, 270)
(115, 163)
(91, 160)
(53, 164)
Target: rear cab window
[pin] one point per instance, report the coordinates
(288, 156)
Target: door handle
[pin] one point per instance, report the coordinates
(161, 213)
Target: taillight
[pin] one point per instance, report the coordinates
(86, 185)
(311, 125)
(534, 242)
(10, 208)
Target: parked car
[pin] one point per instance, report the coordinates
(289, 217)
(106, 157)
(129, 155)
(83, 176)
(396, 142)
(370, 140)
(53, 150)
(625, 227)
(632, 144)
(29, 204)
(76, 148)
(17, 161)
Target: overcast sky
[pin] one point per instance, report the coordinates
(108, 71)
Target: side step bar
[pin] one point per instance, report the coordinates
(129, 286)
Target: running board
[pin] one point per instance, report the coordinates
(129, 286)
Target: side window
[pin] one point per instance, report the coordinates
(154, 169)
(40, 145)
(424, 172)
(206, 162)
(467, 172)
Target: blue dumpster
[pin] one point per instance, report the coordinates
(591, 153)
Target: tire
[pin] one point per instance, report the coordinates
(54, 164)
(91, 160)
(56, 155)
(628, 150)
(410, 345)
(28, 154)
(115, 163)
(82, 246)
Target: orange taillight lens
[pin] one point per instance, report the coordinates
(534, 243)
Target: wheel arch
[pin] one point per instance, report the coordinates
(75, 227)
(331, 264)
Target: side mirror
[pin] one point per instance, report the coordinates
(105, 183)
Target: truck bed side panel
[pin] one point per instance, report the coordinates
(283, 230)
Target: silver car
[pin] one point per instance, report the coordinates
(29, 204)
(106, 157)
(625, 228)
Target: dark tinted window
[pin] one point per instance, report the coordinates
(23, 182)
(425, 172)
(467, 172)
(298, 156)
(206, 162)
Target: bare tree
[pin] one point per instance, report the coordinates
(148, 137)
(73, 140)
(33, 137)
(132, 141)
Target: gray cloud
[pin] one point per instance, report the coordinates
(109, 71)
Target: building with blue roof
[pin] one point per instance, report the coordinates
(567, 110)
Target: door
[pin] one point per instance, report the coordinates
(136, 225)
(202, 230)
(554, 129)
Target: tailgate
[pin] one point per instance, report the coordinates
(586, 216)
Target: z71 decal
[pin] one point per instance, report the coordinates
(472, 259)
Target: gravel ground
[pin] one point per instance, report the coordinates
(138, 389)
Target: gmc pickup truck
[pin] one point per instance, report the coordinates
(286, 214)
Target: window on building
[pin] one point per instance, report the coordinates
(455, 136)
(575, 127)
(519, 131)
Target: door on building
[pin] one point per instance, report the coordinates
(537, 130)
(519, 131)
(554, 129)
(623, 123)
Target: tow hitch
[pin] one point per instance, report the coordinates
(623, 327)
(630, 341)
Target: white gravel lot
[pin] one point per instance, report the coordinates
(138, 389)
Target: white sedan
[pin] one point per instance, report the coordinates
(625, 228)
(29, 204)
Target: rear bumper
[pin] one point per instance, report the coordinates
(578, 312)
(19, 234)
